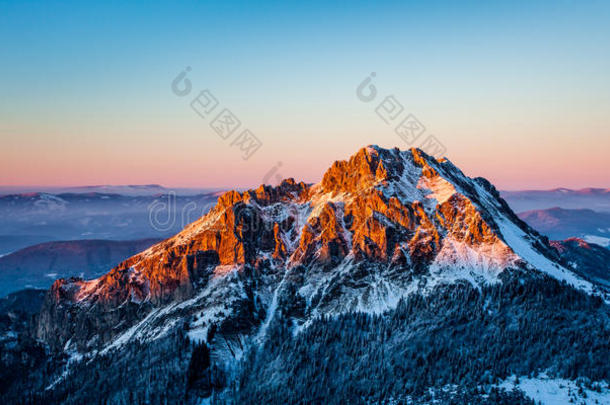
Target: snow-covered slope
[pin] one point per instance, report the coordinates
(551, 391)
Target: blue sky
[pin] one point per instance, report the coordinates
(518, 92)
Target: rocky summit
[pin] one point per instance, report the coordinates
(386, 232)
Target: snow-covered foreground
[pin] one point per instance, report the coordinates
(554, 391)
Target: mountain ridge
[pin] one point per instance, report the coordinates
(414, 218)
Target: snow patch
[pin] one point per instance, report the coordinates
(598, 240)
(552, 391)
(438, 188)
(457, 260)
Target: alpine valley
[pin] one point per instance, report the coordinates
(396, 279)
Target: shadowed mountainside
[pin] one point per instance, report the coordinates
(39, 265)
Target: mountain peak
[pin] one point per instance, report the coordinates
(375, 166)
(384, 214)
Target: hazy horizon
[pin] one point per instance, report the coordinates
(33, 188)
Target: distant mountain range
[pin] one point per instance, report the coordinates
(40, 265)
(30, 218)
(136, 190)
(597, 199)
(559, 223)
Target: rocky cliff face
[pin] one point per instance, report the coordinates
(377, 227)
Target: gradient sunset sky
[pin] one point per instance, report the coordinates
(518, 93)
